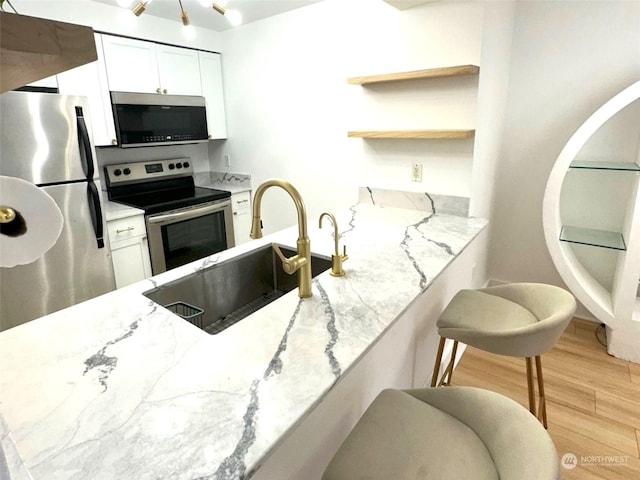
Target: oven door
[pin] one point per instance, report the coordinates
(181, 236)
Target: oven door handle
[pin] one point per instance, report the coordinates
(187, 214)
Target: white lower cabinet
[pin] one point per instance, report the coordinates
(129, 250)
(241, 208)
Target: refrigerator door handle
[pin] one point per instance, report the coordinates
(84, 144)
(95, 209)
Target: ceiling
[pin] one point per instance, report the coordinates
(204, 17)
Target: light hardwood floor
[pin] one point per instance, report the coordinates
(593, 400)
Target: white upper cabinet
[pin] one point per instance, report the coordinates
(131, 65)
(179, 70)
(213, 91)
(90, 80)
(146, 67)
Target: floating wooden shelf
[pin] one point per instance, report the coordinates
(35, 48)
(426, 134)
(456, 71)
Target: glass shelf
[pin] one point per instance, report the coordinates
(603, 165)
(595, 238)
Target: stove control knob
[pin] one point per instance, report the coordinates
(171, 166)
(178, 165)
(117, 172)
(126, 171)
(185, 164)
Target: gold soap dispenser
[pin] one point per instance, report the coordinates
(336, 258)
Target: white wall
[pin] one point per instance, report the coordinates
(289, 106)
(568, 59)
(492, 104)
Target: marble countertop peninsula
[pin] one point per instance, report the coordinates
(118, 387)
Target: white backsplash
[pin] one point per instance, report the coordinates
(223, 179)
(422, 201)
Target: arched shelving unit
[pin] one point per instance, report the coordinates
(597, 251)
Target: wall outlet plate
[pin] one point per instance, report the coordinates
(416, 172)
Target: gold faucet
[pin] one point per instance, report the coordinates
(302, 261)
(336, 258)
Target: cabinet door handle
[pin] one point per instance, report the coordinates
(158, 90)
(242, 201)
(128, 229)
(164, 91)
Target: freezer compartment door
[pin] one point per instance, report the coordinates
(47, 138)
(78, 267)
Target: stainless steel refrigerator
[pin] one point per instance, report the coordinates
(45, 139)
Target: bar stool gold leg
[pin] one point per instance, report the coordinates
(436, 368)
(531, 387)
(445, 379)
(542, 406)
(449, 371)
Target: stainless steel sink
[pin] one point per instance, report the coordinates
(219, 296)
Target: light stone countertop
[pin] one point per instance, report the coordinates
(116, 211)
(118, 387)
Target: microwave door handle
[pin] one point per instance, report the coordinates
(188, 214)
(84, 144)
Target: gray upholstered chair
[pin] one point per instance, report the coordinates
(445, 434)
(517, 319)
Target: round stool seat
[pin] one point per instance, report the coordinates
(445, 433)
(517, 319)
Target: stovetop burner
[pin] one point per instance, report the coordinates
(158, 186)
(164, 200)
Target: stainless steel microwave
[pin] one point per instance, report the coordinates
(148, 119)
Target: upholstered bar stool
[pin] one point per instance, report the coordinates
(445, 434)
(517, 319)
